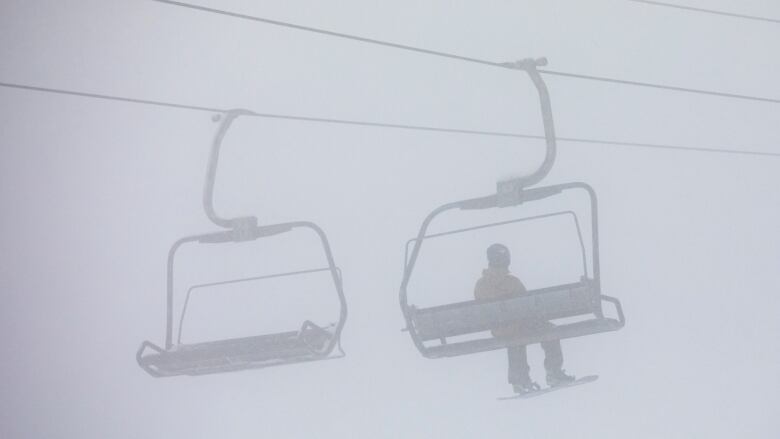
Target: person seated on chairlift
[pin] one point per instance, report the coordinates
(497, 281)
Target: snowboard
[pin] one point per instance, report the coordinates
(577, 382)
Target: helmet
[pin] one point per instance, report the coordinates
(498, 256)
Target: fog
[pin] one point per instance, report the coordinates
(94, 193)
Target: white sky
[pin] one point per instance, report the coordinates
(95, 192)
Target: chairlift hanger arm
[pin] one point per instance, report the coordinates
(530, 67)
(227, 120)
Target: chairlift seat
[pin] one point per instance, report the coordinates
(307, 344)
(475, 316)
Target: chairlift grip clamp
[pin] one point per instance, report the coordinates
(526, 63)
(243, 229)
(509, 193)
(514, 192)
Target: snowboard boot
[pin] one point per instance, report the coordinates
(559, 378)
(525, 386)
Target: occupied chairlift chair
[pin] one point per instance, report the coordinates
(434, 329)
(308, 343)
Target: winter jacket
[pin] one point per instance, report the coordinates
(495, 283)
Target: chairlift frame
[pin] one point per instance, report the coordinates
(309, 343)
(476, 316)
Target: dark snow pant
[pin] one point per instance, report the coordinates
(518, 360)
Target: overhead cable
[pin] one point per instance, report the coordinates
(707, 11)
(110, 98)
(465, 58)
(390, 125)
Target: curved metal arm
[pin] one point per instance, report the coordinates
(529, 66)
(211, 175)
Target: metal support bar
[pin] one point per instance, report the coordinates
(241, 223)
(529, 66)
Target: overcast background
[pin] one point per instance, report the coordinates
(94, 192)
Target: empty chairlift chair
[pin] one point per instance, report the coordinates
(308, 342)
(437, 331)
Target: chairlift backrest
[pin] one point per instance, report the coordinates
(483, 315)
(568, 213)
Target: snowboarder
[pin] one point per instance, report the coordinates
(497, 281)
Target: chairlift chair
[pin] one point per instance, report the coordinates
(436, 331)
(309, 342)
